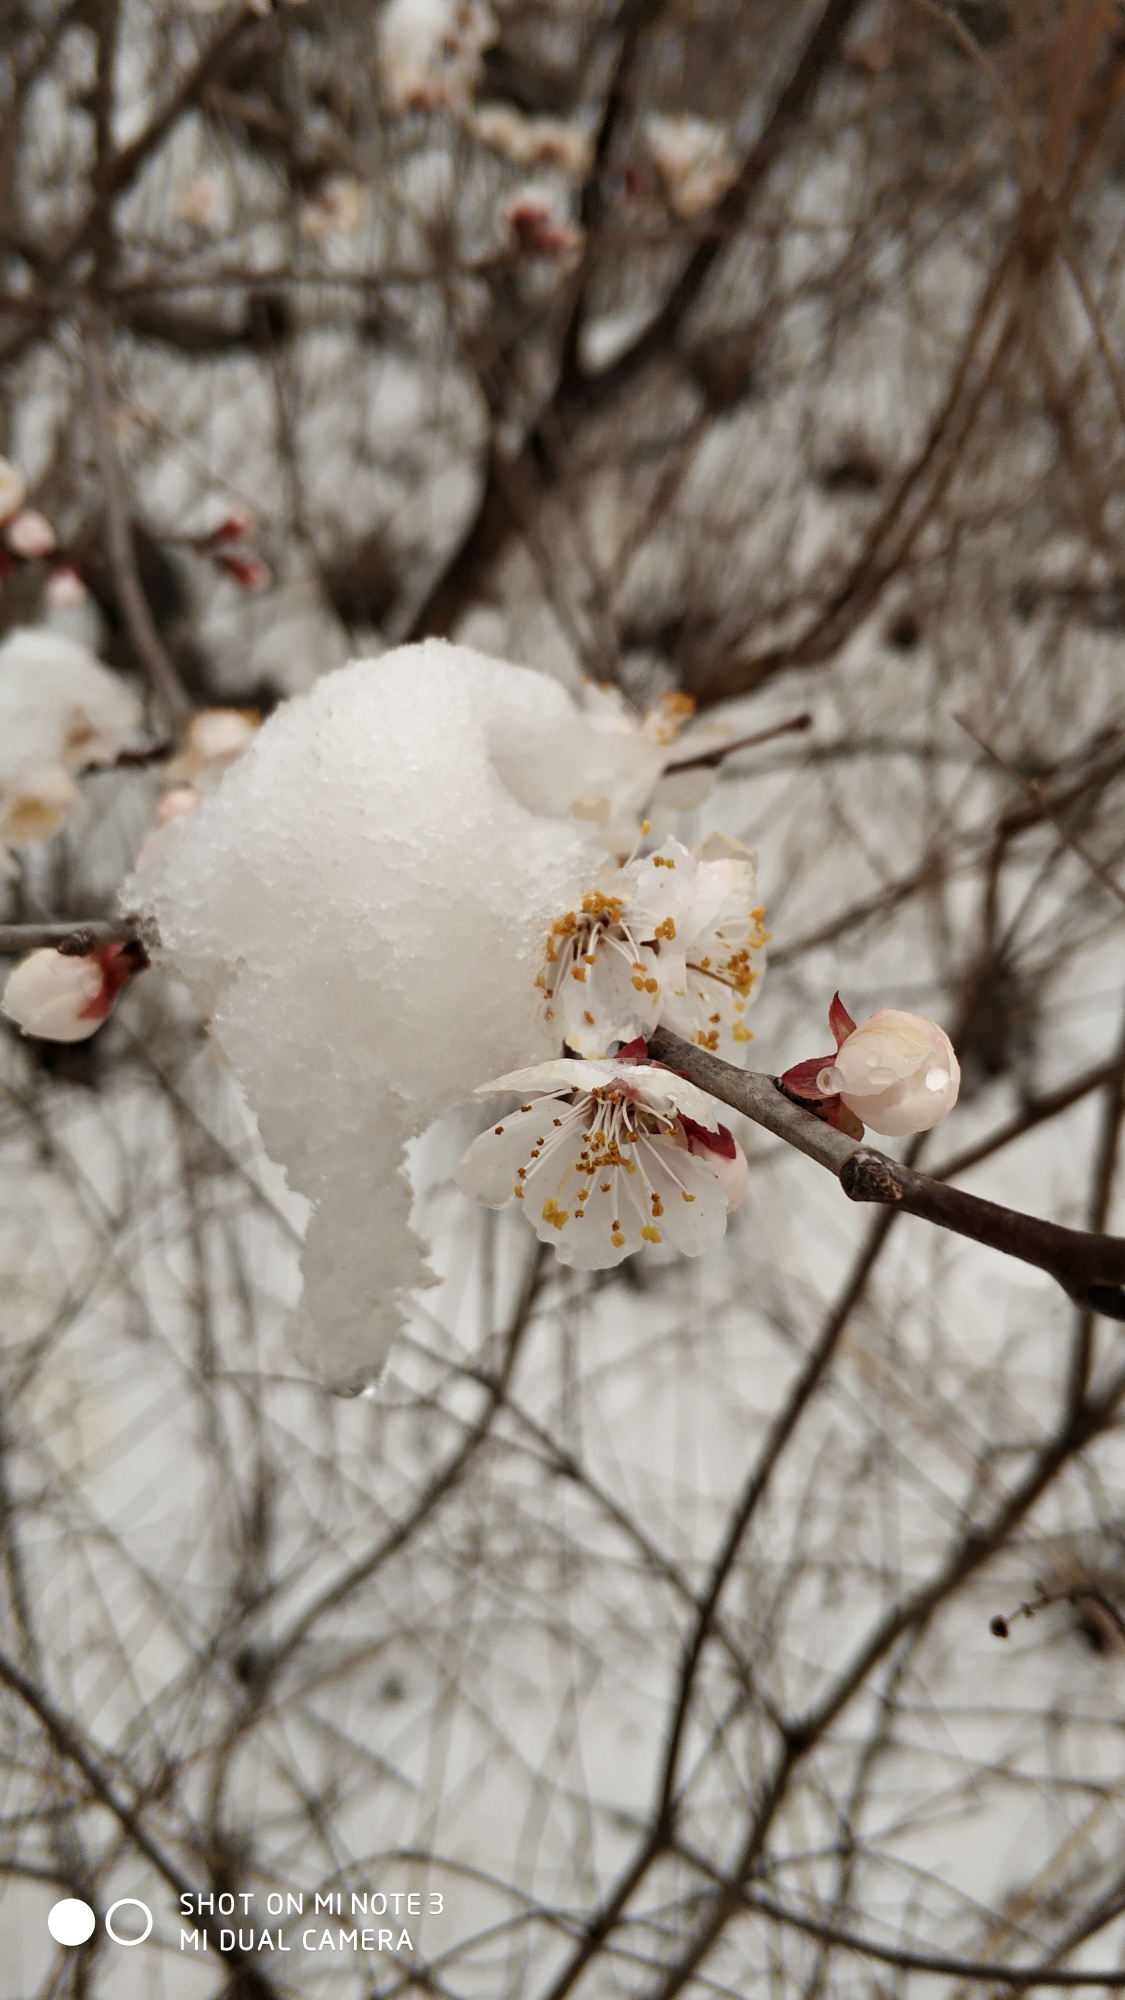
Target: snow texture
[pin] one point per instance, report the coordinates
(360, 911)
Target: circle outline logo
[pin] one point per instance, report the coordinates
(122, 1903)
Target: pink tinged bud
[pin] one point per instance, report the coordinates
(183, 799)
(59, 998)
(13, 489)
(249, 572)
(537, 225)
(30, 535)
(897, 1072)
(66, 590)
(236, 526)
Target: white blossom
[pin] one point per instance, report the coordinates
(61, 711)
(896, 1072)
(61, 998)
(13, 489)
(339, 208)
(30, 535)
(215, 738)
(694, 160)
(645, 756)
(671, 938)
(37, 803)
(608, 1156)
(533, 142)
(431, 51)
(360, 908)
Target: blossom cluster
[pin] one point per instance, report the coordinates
(430, 878)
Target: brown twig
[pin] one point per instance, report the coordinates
(1089, 1268)
(119, 537)
(74, 939)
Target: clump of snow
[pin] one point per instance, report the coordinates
(360, 911)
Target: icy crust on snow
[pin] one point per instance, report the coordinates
(359, 910)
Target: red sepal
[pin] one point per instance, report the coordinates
(118, 963)
(635, 1051)
(801, 1080)
(835, 1112)
(840, 1021)
(250, 572)
(721, 1142)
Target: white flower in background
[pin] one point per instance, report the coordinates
(651, 751)
(339, 208)
(62, 998)
(533, 142)
(431, 51)
(215, 739)
(61, 711)
(608, 1156)
(671, 939)
(13, 489)
(30, 535)
(37, 804)
(536, 220)
(201, 204)
(694, 161)
(896, 1073)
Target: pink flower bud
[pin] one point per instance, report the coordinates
(250, 572)
(536, 222)
(183, 799)
(30, 535)
(66, 590)
(59, 998)
(896, 1072)
(237, 526)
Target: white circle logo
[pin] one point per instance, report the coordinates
(126, 1903)
(71, 1921)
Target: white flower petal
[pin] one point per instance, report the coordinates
(693, 1206)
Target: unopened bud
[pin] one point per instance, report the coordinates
(897, 1072)
(60, 998)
